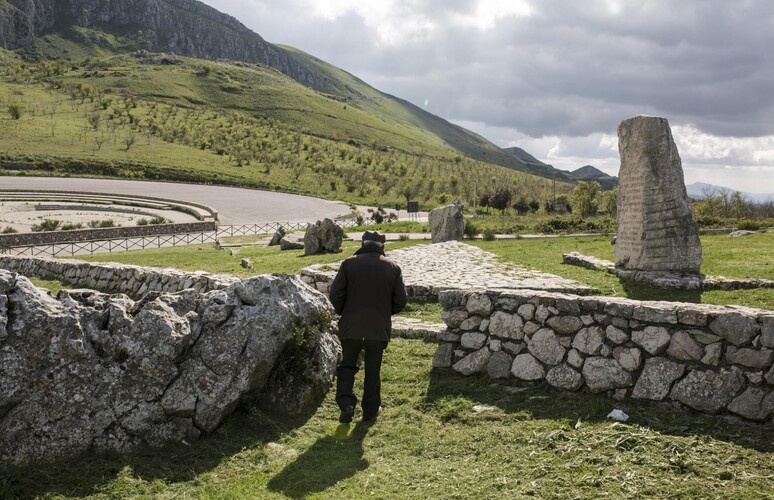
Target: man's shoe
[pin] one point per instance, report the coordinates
(370, 417)
(346, 415)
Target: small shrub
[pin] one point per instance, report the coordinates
(15, 111)
(708, 221)
(403, 237)
(470, 230)
(142, 222)
(158, 220)
(46, 225)
(748, 225)
(99, 224)
(489, 234)
(9, 230)
(575, 225)
(71, 226)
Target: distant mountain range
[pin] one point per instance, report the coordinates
(585, 173)
(700, 190)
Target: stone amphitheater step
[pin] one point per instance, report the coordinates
(201, 212)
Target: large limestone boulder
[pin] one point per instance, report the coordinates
(447, 223)
(95, 372)
(323, 237)
(656, 229)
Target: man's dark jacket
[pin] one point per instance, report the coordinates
(367, 290)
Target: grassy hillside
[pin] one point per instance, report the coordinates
(428, 126)
(167, 117)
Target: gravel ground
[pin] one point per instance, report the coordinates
(21, 216)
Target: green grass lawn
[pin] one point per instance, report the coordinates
(441, 436)
(746, 258)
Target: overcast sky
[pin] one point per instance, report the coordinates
(555, 77)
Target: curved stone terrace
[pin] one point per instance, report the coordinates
(21, 208)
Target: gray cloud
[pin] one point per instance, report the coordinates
(570, 69)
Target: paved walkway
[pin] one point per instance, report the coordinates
(457, 265)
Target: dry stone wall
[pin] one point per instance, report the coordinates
(134, 281)
(673, 281)
(79, 235)
(713, 359)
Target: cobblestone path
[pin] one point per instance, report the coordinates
(457, 265)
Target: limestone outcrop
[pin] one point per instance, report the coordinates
(93, 372)
(199, 30)
(323, 237)
(277, 237)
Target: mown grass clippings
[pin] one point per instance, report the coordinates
(441, 435)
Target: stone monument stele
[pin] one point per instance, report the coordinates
(656, 228)
(446, 223)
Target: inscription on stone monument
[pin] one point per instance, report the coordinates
(656, 229)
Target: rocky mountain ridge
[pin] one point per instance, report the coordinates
(585, 173)
(185, 27)
(592, 173)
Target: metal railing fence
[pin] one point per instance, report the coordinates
(123, 244)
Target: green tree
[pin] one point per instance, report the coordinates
(610, 202)
(409, 190)
(501, 199)
(521, 206)
(738, 206)
(585, 198)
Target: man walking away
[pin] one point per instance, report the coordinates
(367, 291)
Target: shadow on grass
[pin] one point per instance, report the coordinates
(639, 291)
(171, 464)
(328, 461)
(451, 393)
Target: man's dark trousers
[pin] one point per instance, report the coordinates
(345, 375)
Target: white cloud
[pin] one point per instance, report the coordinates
(392, 22)
(745, 164)
(487, 13)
